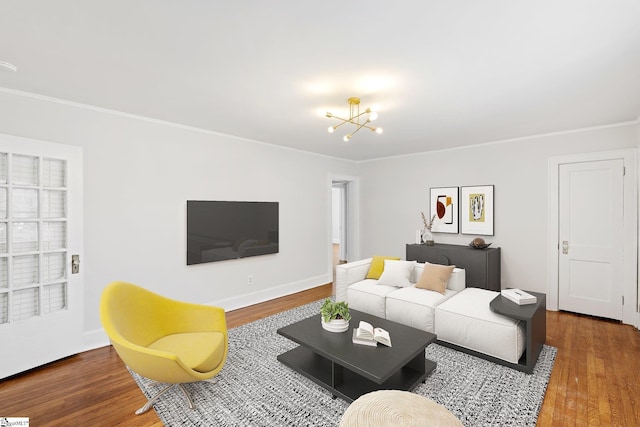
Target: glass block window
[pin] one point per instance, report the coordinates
(54, 204)
(24, 170)
(3, 203)
(33, 237)
(54, 235)
(4, 168)
(25, 271)
(4, 308)
(25, 236)
(25, 303)
(4, 273)
(24, 203)
(3, 238)
(53, 266)
(54, 173)
(54, 298)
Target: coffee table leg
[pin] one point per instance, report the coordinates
(337, 375)
(418, 363)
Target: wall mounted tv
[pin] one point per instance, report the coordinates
(223, 230)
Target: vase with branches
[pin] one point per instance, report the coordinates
(426, 237)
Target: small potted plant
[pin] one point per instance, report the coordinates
(335, 315)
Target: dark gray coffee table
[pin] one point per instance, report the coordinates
(350, 370)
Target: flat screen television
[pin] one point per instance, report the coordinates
(223, 230)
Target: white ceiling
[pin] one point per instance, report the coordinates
(442, 73)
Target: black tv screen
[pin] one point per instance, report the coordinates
(223, 230)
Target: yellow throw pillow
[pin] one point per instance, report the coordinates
(377, 266)
(435, 277)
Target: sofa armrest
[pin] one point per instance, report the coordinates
(349, 273)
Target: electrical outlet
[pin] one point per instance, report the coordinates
(250, 279)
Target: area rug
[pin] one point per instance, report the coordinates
(255, 389)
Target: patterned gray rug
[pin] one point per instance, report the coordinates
(254, 389)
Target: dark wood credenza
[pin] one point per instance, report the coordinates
(482, 265)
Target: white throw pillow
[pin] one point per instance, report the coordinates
(397, 273)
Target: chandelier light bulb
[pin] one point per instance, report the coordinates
(379, 130)
(346, 138)
(331, 129)
(373, 116)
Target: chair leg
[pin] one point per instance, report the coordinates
(188, 396)
(155, 397)
(150, 402)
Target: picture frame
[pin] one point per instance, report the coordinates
(444, 205)
(477, 210)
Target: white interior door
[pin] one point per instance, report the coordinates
(41, 299)
(590, 264)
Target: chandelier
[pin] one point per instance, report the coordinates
(356, 118)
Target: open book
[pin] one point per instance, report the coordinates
(368, 335)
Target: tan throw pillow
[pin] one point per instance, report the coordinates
(377, 266)
(435, 277)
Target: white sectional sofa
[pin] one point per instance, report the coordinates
(403, 304)
(461, 316)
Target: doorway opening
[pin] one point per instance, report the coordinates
(344, 194)
(339, 225)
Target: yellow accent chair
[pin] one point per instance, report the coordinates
(164, 340)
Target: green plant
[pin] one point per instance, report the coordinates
(335, 310)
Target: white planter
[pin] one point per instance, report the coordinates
(335, 325)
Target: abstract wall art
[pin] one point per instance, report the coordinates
(444, 209)
(477, 210)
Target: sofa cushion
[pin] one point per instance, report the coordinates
(467, 321)
(377, 266)
(397, 273)
(435, 277)
(415, 307)
(368, 296)
(457, 281)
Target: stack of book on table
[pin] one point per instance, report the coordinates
(366, 334)
(518, 296)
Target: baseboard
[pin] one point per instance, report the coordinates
(95, 339)
(245, 300)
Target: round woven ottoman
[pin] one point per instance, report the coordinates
(398, 409)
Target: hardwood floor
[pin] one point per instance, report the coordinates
(595, 380)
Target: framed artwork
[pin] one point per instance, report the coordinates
(444, 210)
(476, 206)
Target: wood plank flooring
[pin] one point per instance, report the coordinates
(595, 380)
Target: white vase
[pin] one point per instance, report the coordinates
(426, 237)
(335, 325)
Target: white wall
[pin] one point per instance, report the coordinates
(138, 175)
(395, 190)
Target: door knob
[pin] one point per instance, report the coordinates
(565, 247)
(75, 264)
